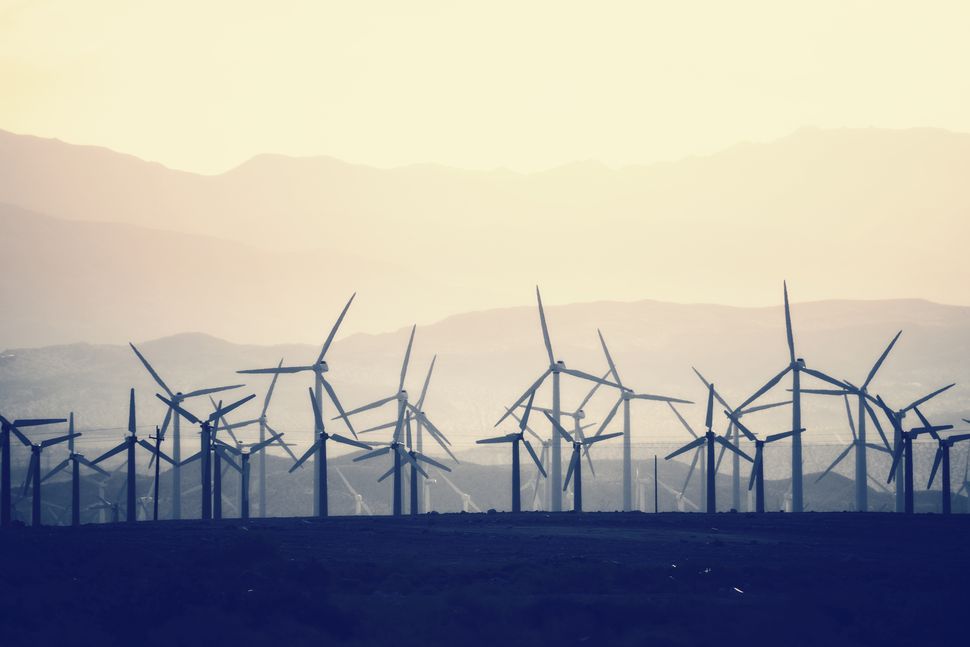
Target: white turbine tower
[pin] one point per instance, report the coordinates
(556, 367)
(626, 395)
(318, 368)
(796, 366)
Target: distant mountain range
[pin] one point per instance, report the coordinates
(102, 246)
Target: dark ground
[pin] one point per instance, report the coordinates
(535, 578)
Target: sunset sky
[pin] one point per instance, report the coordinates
(525, 85)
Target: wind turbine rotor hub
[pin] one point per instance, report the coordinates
(322, 366)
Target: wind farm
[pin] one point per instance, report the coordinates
(484, 324)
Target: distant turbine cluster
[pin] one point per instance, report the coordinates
(220, 449)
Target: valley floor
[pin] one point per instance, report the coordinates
(461, 579)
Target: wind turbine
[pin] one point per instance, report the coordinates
(128, 445)
(205, 451)
(264, 430)
(626, 395)
(733, 435)
(360, 506)
(7, 428)
(902, 473)
(33, 478)
(244, 452)
(966, 478)
(318, 368)
(556, 368)
(943, 456)
(575, 469)
(75, 460)
(862, 501)
(467, 505)
(859, 442)
(319, 449)
(176, 398)
(710, 439)
(515, 439)
(796, 366)
(405, 411)
(757, 480)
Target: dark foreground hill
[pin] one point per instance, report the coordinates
(535, 578)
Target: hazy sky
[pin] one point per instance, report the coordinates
(204, 85)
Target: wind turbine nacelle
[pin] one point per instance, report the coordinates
(402, 395)
(580, 414)
(322, 366)
(555, 368)
(801, 362)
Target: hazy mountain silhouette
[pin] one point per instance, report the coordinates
(841, 213)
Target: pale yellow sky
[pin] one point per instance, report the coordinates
(203, 86)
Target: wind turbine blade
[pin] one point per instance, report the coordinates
(592, 392)
(317, 418)
(132, 427)
(596, 439)
(845, 452)
(570, 469)
(736, 421)
(224, 455)
(58, 440)
(35, 422)
(754, 468)
(788, 331)
(269, 391)
(825, 378)
(524, 422)
(875, 421)
(209, 391)
(152, 372)
(929, 396)
(336, 402)
(545, 329)
(535, 459)
(785, 434)
(878, 448)
(372, 405)
(407, 358)
(848, 412)
(879, 361)
(179, 410)
(897, 454)
(56, 469)
(277, 370)
(609, 417)
(385, 475)
(306, 455)
(349, 441)
(258, 447)
(707, 385)
(191, 459)
(558, 427)
(90, 465)
(333, 331)
(661, 398)
(709, 416)
(767, 387)
(763, 407)
(508, 438)
(725, 444)
(215, 415)
(431, 461)
(16, 432)
(690, 472)
(414, 464)
(609, 359)
(372, 454)
(427, 381)
(278, 437)
(697, 442)
(151, 448)
(527, 427)
(165, 421)
(720, 456)
(682, 421)
(936, 466)
(530, 390)
(117, 449)
(586, 376)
